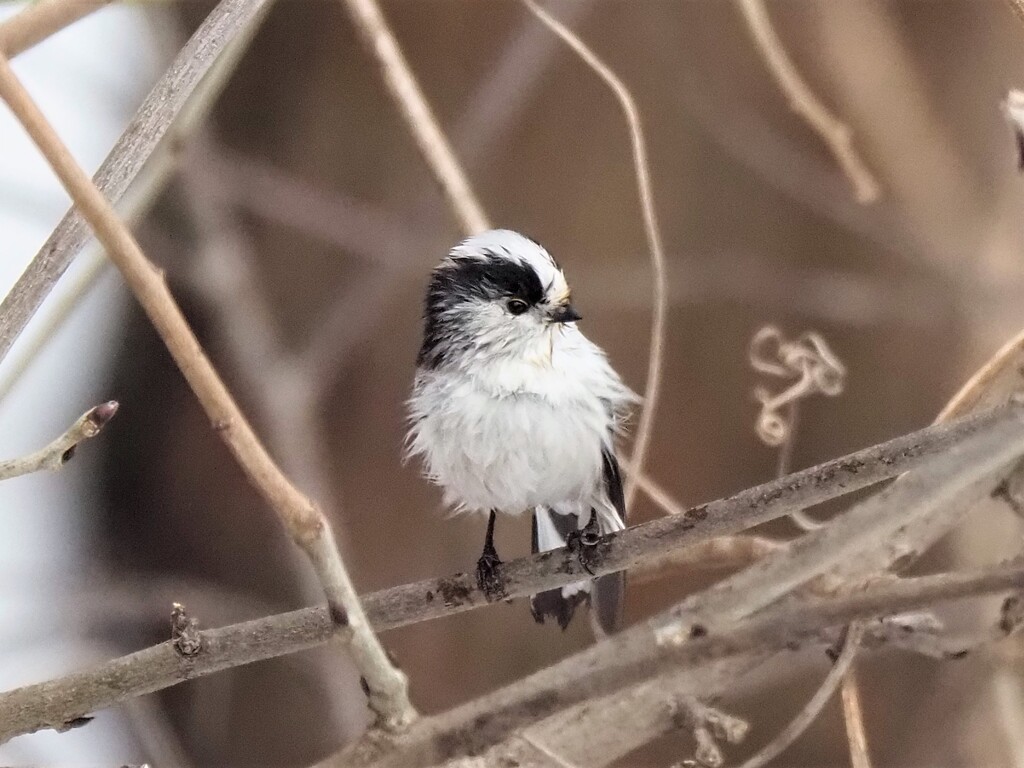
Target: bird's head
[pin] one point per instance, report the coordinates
(495, 293)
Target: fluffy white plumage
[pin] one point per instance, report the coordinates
(513, 409)
(520, 418)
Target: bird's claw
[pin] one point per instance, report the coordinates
(583, 542)
(487, 577)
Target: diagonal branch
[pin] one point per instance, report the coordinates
(641, 544)
(957, 478)
(635, 654)
(419, 117)
(55, 703)
(40, 20)
(388, 689)
(832, 131)
(59, 452)
(227, 27)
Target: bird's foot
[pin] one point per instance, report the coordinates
(583, 541)
(488, 578)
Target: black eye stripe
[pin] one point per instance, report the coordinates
(464, 278)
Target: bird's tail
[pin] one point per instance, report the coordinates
(550, 531)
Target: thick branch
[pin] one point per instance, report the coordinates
(953, 480)
(388, 694)
(664, 536)
(59, 452)
(635, 654)
(266, 638)
(58, 702)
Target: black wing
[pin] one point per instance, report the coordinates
(608, 591)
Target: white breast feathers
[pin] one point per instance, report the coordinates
(511, 432)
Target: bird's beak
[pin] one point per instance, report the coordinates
(564, 313)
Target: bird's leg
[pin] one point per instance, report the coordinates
(487, 577)
(583, 541)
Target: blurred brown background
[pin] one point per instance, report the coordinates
(303, 226)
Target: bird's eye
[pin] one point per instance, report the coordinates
(517, 306)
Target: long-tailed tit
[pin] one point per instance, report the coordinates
(513, 409)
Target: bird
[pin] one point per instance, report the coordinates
(513, 410)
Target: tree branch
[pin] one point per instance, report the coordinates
(387, 686)
(59, 452)
(635, 654)
(55, 703)
(40, 20)
(151, 669)
(956, 478)
(831, 130)
(419, 117)
(229, 22)
(809, 712)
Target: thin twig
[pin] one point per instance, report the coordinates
(645, 424)
(853, 716)
(999, 379)
(418, 116)
(284, 389)
(230, 22)
(835, 133)
(388, 689)
(59, 452)
(40, 20)
(814, 368)
(802, 519)
(817, 370)
(810, 711)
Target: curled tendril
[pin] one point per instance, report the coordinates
(808, 360)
